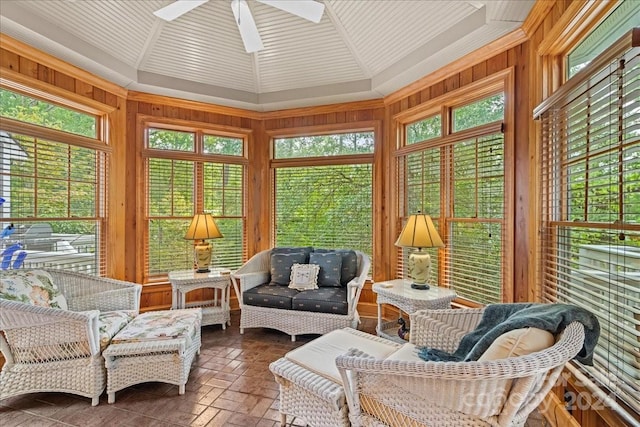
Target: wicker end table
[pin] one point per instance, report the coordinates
(400, 294)
(214, 311)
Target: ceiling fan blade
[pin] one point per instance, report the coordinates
(310, 10)
(247, 26)
(177, 9)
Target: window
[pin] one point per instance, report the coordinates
(590, 218)
(424, 130)
(459, 180)
(190, 171)
(621, 20)
(329, 204)
(52, 185)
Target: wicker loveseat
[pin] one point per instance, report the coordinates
(266, 301)
(53, 327)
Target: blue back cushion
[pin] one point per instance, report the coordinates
(281, 266)
(330, 268)
(349, 263)
(289, 250)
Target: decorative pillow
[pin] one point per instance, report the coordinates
(349, 263)
(518, 342)
(281, 266)
(33, 287)
(304, 277)
(330, 267)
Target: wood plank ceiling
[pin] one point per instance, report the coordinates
(361, 49)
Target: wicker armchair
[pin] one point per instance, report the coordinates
(50, 349)
(500, 392)
(256, 271)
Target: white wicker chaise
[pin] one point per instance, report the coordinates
(256, 271)
(498, 393)
(56, 350)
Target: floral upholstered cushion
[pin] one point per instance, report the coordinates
(161, 325)
(111, 322)
(33, 287)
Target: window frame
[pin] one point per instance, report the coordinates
(502, 81)
(199, 158)
(51, 94)
(373, 126)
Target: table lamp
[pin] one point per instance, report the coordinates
(419, 233)
(202, 227)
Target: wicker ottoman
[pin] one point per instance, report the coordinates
(310, 384)
(155, 346)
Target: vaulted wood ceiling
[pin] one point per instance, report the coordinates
(361, 49)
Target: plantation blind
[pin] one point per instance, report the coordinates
(171, 202)
(324, 206)
(590, 218)
(461, 186)
(53, 212)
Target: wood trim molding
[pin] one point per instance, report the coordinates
(503, 44)
(324, 109)
(555, 413)
(536, 16)
(29, 52)
(194, 105)
(13, 80)
(480, 88)
(575, 22)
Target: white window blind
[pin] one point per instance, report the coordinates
(324, 206)
(171, 203)
(53, 212)
(461, 186)
(590, 219)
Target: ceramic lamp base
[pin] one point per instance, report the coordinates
(202, 251)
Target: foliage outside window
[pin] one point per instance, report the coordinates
(590, 216)
(178, 187)
(424, 130)
(460, 183)
(53, 191)
(325, 206)
(486, 110)
(323, 145)
(625, 17)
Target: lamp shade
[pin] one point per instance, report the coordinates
(202, 227)
(419, 232)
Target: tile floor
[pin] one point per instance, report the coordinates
(230, 385)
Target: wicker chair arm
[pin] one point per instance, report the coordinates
(34, 334)
(513, 367)
(443, 329)
(258, 263)
(327, 390)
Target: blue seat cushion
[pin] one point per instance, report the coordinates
(270, 295)
(322, 300)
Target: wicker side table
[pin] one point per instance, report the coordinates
(400, 294)
(214, 311)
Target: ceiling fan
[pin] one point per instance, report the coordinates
(310, 10)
